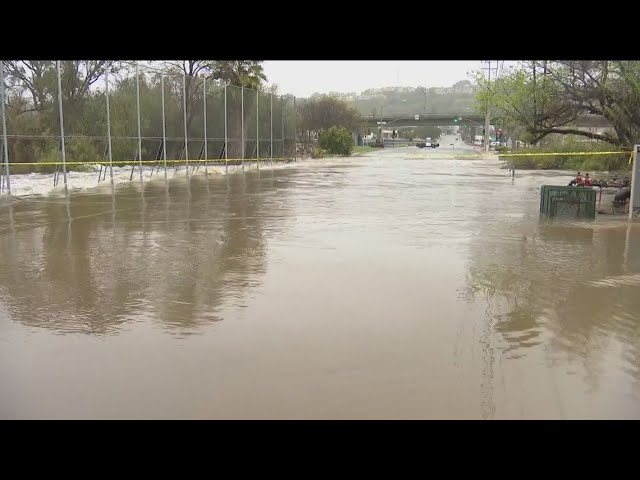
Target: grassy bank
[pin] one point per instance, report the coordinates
(359, 149)
(580, 160)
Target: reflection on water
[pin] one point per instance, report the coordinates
(569, 292)
(91, 263)
(394, 286)
(561, 267)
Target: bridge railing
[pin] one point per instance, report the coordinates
(420, 115)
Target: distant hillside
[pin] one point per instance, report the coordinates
(395, 100)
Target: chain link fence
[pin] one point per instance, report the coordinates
(135, 118)
(30, 125)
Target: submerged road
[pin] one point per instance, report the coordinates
(405, 283)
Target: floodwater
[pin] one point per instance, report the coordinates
(403, 284)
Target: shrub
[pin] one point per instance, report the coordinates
(336, 141)
(317, 153)
(567, 161)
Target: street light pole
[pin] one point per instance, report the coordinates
(487, 118)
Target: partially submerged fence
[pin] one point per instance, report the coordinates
(145, 117)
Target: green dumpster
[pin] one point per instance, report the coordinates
(567, 202)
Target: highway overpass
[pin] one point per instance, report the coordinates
(444, 119)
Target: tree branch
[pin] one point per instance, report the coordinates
(541, 133)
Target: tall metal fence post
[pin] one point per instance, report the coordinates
(164, 128)
(5, 145)
(106, 81)
(271, 149)
(295, 131)
(184, 112)
(258, 129)
(242, 125)
(204, 112)
(282, 119)
(139, 130)
(226, 137)
(61, 116)
(634, 200)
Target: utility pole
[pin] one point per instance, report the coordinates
(634, 201)
(487, 117)
(380, 131)
(535, 107)
(487, 120)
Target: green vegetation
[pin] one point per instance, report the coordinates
(336, 141)
(322, 112)
(395, 100)
(538, 102)
(613, 162)
(358, 149)
(542, 98)
(318, 153)
(32, 109)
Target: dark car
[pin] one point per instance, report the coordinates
(421, 144)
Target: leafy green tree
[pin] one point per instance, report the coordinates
(32, 105)
(241, 73)
(545, 97)
(323, 112)
(336, 141)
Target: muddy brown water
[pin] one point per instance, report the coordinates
(404, 284)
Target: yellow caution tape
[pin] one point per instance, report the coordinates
(619, 152)
(155, 162)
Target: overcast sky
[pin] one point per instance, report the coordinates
(302, 78)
